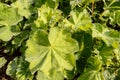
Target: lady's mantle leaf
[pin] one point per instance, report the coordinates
(109, 36)
(47, 16)
(53, 50)
(53, 75)
(18, 69)
(23, 7)
(93, 70)
(78, 20)
(8, 18)
(91, 75)
(8, 15)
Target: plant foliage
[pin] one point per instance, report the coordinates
(60, 39)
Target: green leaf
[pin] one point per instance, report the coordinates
(8, 15)
(53, 75)
(94, 63)
(54, 50)
(78, 20)
(23, 7)
(7, 20)
(2, 61)
(92, 72)
(115, 17)
(74, 3)
(114, 5)
(18, 40)
(81, 3)
(47, 17)
(42, 76)
(91, 75)
(107, 54)
(117, 53)
(85, 44)
(6, 33)
(109, 36)
(19, 69)
(53, 3)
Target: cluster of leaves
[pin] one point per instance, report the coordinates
(60, 39)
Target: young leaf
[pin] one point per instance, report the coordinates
(47, 16)
(78, 20)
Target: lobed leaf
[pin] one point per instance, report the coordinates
(109, 36)
(78, 20)
(18, 69)
(53, 50)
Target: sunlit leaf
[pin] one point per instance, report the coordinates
(53, 75)
(23, 7)
(7, 17)
(78, 20)
(53, 50)
(47, 16)
(109, 36)
(7, 20)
